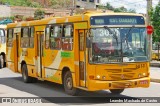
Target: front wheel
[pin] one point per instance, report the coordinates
(68, 84)
(116, 91)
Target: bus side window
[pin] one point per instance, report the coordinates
(67, 39)
(25, 37)
(31, 39)
(2, 36)
(47, 33)
(55, 37)
(9, 37)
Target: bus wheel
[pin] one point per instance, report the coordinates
(116, 91)
(68, 84)
(25, 76)
(1, 61)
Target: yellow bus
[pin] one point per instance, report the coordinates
(2, 45)
(93, 51)
(155, 51)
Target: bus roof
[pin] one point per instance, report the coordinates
(66, 19)
(3, 26)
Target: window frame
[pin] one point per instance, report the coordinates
(28, 46)
(70, 37)
(48, 26)
(9, 37)
(2, 37)
(30, 33)
(60, 37)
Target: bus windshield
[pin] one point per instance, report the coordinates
(122, 45)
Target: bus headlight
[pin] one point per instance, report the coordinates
(144, 74)
(98, 76)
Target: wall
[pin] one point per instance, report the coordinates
(5, 11)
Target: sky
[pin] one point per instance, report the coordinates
(138, 5)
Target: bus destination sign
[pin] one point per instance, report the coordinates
(117, 20)
(122, 21)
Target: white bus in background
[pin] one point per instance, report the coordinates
(2, 45)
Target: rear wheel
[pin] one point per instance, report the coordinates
(26, 78)
(68, 84)
(116, 91)
(2, 62)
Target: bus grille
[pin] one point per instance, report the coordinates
(125, 76)
(114, 70)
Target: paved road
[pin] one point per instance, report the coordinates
(155, 72)
(12, 80)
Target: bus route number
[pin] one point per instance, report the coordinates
(140, 66)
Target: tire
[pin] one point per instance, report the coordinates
(68, 84)
(116, 91)
(25, 76)
(2, 61)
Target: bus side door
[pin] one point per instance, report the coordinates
(40, 54)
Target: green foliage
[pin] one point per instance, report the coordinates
(155, 21)
(26, 3)
(108, 6)
(39, 14)
(61, 3)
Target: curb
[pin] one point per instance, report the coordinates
(155, 64)
(155, 80)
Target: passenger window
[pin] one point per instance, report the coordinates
(47, 33)
(55, 37)
(2, 36)
(67, 39)
(10, 37)
(25, 37)
(31, 39)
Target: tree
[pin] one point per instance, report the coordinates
(155, 21)
(39, 14)
(108, 6)
(132, 11)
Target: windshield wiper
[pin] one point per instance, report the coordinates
(127, 35)
(112, 33)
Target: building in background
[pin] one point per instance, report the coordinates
(87, 4)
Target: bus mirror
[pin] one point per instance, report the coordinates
(88, 42)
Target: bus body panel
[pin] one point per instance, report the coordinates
(48, 64)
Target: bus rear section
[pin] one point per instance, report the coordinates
(2, 46)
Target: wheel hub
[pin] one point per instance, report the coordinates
(69, 83)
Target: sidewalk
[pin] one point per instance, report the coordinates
(155, 63)
(155, 72)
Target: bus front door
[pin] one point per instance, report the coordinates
(40, 48)
(82, 58)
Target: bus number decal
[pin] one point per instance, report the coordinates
(140, 66)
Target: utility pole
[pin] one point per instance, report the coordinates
(73, 7)
(149, 6)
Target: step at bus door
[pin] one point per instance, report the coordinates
(40, 48)
(82, 58)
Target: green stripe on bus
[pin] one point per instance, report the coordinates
(66, 54)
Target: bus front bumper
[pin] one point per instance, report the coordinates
(94, 85)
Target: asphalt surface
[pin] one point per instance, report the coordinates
(48, 89)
